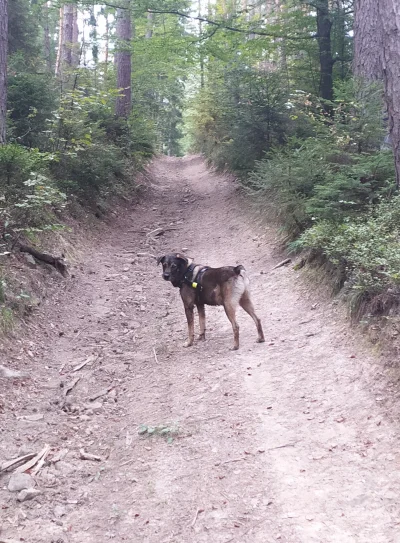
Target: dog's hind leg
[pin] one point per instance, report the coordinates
(230, 311)
(202, 321)
(246, 303)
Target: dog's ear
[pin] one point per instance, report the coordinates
(160, 260)
(182, 257)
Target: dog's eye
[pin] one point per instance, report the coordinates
(173, 266)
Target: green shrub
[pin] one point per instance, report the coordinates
(90, 170)
(16, 165)
(367, 248)
(235, 120)
(30, 101)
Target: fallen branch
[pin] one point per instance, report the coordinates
(91, 358)
(195, 517)
(57, 262)
(100, 394)
(235, 460)
(28, 465)
(283, 263)
(68, 388)
(12, 463)
(39, 465)
(283, 446)
(87, 456)
(155, 355)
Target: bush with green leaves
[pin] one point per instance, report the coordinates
(336, 172)
(31, 100)
(367, 249)
(315, 180)
(16, 165)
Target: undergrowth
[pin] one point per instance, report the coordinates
(333, 195)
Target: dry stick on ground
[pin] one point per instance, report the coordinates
(283, 263)
(57, 262)
(39, 465)
(92, 358)
(12, 463)
(100, 393)
(68, 388)
(87, 456)
(195, 517)
(28, 465)
(155, 355)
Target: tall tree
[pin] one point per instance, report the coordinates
(3, 68)
(324, 28)
(377, 56)
(46, 35)
(67, 55)
(123, 60)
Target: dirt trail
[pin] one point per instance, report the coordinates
(290, 441)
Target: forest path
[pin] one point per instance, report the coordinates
(287, 441)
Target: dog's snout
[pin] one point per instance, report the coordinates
(166, 276)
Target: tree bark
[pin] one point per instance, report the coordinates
(75, 36)
(67, 54)
(3, 69)
(123, 61)
(377, 56)
(390, 18)
(60, 41)
(68, 34)
(368, 36)
(324, 27)
(46, 36)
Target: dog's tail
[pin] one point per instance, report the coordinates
(240, 270)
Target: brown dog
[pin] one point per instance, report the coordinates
(200, 286)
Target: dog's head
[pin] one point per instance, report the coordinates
(174, 267)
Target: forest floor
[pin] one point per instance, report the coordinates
(295, 440)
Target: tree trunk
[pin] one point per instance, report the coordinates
(123, 61)
(3, 68)
(75, 37)
(107, 45)
(68, 34)
(68, 47)
(150, 23)
(368, 36)
(324, 27)
(60, 41)
(46, 36)
(390, 20)
(377, 56)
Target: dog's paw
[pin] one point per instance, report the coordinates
(261, 340)
(188, 343)
(235, 348)
(201, 337)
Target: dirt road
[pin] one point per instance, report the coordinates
(292, 441)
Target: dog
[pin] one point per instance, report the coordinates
(200, 285)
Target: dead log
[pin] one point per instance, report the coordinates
(57, 262)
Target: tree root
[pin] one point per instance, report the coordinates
(57, 262)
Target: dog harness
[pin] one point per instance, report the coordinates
(193, 276)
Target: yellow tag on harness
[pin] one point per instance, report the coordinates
(194, 285)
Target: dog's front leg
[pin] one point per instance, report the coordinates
(190, 322)
(202, 321)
